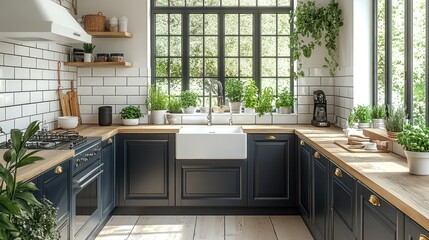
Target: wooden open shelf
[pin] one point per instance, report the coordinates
(98, 64)
(111, 34)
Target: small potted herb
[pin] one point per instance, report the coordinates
(174, 105)
(363, 116)
(234, 92)
(157, 103)
(189, 101)
(250, 97)
(415, 141)
(395, 121)
(285, 102)
(130, 115)
(378, 116)
(88, 49)
(265, 102)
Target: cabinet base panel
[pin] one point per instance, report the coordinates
(204, 211)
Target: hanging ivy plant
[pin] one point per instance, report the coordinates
(311, 25)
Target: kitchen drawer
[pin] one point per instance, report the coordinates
(385, 208)
(271, 137)
(414, 231)
(342, 177)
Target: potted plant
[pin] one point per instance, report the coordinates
(130, 115)
(415, 141)
(265, 102)
(22, 215)
(174, 105)
(250, 98)
(285, 102)
(395, 121)
(234, 93)
(363, 116)
(189, 101)
(378, 116)
(88, 49)
(157, 103)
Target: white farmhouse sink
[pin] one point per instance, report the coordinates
(211, 142)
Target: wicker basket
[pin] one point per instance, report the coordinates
(95, 22)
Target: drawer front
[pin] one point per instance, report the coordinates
(272, 137)
(381, 205)
(414, 231)
(341, 176)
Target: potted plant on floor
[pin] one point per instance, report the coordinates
(378, 116)
(415, 141)
(265, 102)
(157, 103)
(131, 115)
(189, 101)
(234, 93)
(250, 97)
(284, 102)
(88, 49)
(363, 116)
(22, 216)
(395, 121)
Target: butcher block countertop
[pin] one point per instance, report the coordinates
(384, 173)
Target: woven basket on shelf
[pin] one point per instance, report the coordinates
(95, 22)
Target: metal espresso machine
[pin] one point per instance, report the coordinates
(320, 114)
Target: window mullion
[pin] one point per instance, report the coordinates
(388, 52)
(427, 63)
(257, 49)
(221, 51)
(185, 51)
(409, 58)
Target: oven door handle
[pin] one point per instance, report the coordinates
(78, 186)
(80, 180)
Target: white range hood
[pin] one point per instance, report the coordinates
(39, 21)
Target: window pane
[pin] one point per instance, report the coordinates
(283, 47)
(175, 67)
(246, 24)
(419, 62)
(231, 46)
(195, 46)
(210, 67)
(161, 46)
(195, 24)
(268, 67)
(229, 2)
(211, 2)
(177, 3)
(266, 2)
(284, 2)
(211, 48)
(175, 24)
(246, 65)
(194, 3)
(283, 67)
(161, 67)
(246, 46)
(161, 24)
(175, 86)
(268, 82)
(196, 67)
(269, 46)
(269, 22)
(283, 83)
(381, 56)
(162, 84)
(283, 24)
(211, 24)
(176, 46)
(196, 85)
(398, 52)
(231, 67)
(231, 24)
(161, 3)
(247, 2)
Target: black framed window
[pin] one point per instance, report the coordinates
(194, 41)
(401, 51)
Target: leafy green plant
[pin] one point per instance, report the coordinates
(396, 119)
(88, 47)
(414, 138)
(363, 114)
(351, 119)
(234, 90)
(265, 101)
(379, 112)
(285, 99)
(174, 104)
(311, 25)
(189, 99)
(157, 99)
(131, 112)
(250, 95)
(18, 206)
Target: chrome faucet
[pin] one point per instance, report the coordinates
(220, 90)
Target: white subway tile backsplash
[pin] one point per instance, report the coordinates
(49, 74)
(2, 114)
(1, 61)
(137, 81)
(326, 90)
(13, 112)
(42, 107)
(305, 100)
(22, 50)
(2, 85)
(42, 85)
(115, 100)
(115, 81)
(127, 91)
(8, 72)
(42, 64)
(29, 62)
(56, 47)
(136, 100)
(104, 91)
(285, 118)
(22, 123)
(36, 53)
(86, 109)
(143, 91)
(304, 108)
(29, 109)
(305, 118)
(36, 74)
(91, 100)
(308, 81)
(265, 119)
(6, 99)
(7, 48)
(49, 95)
(22, 73)
(103, 72)
(54, 106)
(244, 119)
(12, 60)
(84, 72)
(85, 91)
(89, 81)
(49, 117)
(127, 72)
(303, 91)
(13, 85)
(36, 97)
(7, 125)
(22, 98)
(38, 117)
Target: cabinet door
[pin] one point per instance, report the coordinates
(146, 169)
(271, 170)
(377, 218)
(414, 231)
(304, 181)
(108, 177)
(320, 195)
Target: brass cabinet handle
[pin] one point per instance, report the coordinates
(110, 141)
(338, 172)
(58, 170)
(423, 237)
(374, 200)
(316, 154)
(271, 138)
(302, 143)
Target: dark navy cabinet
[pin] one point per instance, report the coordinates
(414, 231)
(320, 194)
(108, 177)
(271, 166)
(211, 182)
(343, 204)
(377, 218)
(145, 164)
(304, 180)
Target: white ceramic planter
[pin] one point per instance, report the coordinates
(158, 116)
(130, 122)
(364, 125)
(249, 110)
(88, 57)
(235, 107)
(190, 110)
(378, 123)
(418, 162)
(285, 110)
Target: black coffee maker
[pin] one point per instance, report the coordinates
(320, 115)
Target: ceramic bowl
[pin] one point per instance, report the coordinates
(67, 122)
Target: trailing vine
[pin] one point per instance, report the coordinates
(313, 24)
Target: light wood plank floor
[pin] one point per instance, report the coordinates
(205, 228)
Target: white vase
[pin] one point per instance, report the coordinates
(130, 122)
(235, 107)
(88, 57)
(285, 110)
(364, 125)
(378, 123)
(418, 162)
(190, 110)
(249, 110)
(158, 116)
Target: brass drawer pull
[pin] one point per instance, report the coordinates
(302, 143)
(317, 155)
(58, 170)
(338, 172)
(271, 138)
(374, 200)
(423, 237)
(110, 141)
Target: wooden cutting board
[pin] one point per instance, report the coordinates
(74, 102)
(345, 145)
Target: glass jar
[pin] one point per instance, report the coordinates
(114, 24)
(117, 57)
(102, 57)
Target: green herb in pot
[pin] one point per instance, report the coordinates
(157, 99)
(250, 95)
(131, 112)
(363, 114)
(414, 138)
(88, 47)
(189, 99)
(265, 101)
(285, 99)
(174, 104)
(234, 90)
